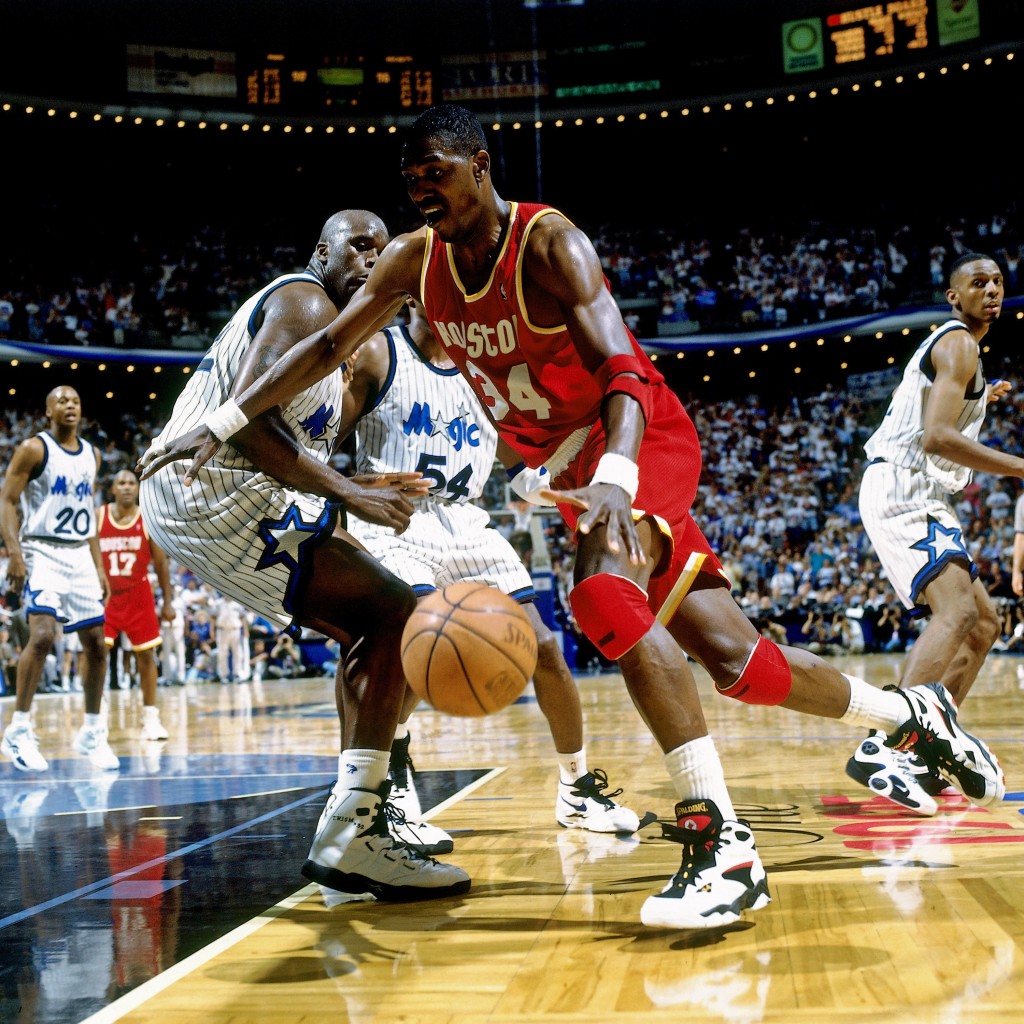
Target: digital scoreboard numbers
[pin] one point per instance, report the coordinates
(318, 85)
(877, 30)
(876, 35)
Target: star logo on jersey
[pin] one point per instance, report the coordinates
(459, 430)
(941, 543)
(316, 425)
(285, 537)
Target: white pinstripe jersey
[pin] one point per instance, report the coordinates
(428, 420)
(313, 415)
(898, 437)
(58, 505)
(237, 528)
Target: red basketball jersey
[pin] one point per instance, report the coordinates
(125, 550)
(530, 378)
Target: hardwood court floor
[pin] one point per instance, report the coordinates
(169, 892)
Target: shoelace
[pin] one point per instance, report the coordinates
(594, 790)
(391, 814)
(401, 765)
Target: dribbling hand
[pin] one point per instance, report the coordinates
(605, 505)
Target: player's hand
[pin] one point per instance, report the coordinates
(380, 504)
(413, 484)
(1017, 583)
(16, 572)
(605, 505)
(198, 442)
(105, 590)
(997, 389)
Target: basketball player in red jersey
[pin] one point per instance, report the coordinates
(127, 552)
(516, 295)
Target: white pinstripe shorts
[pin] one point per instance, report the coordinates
(913, 528)
(446, 543)
(62, 582)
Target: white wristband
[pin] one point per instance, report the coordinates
(226, 419)
(618, 470)
(528, 483)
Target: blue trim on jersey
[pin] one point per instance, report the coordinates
(441, 371)
(75, 454)
(928, 367)
(525, 596)
(258, 308)
(390, 378)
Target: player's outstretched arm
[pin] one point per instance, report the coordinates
(372, 308)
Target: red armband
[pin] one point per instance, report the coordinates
(611, 377)
(612, 367)
(638, 389)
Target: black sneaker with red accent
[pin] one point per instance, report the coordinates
(933, 734)
(720, 875)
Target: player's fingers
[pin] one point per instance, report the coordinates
(566, 498)
(151, 454)
(205, 452)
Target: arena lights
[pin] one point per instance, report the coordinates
(245, 122)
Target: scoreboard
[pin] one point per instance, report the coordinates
(845, 37)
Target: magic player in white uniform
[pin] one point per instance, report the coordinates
(412, 410)
(260, 524)
(925, 450)
(48, 522)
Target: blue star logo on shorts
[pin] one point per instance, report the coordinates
(284, 538)
(941, 543)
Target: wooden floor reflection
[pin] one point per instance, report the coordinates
(172, 892)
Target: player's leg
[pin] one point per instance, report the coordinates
(417, 557)
(152, 727)
(20, 742)
(91, 740)
(584, 799)
(720, 873)
(351, 597)
(713, 629)
(964, 625)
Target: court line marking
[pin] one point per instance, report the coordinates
(67, 897)
(149, 989)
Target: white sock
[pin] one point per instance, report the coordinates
(94, 721)
(362, 769)
(572, 766)
(150, 711)
(21, 720)
(874, 708)
(696, 773)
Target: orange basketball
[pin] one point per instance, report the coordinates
(469, 650)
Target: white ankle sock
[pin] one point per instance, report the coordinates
(572, 766)
(696, 773)
(362, 769)
(874, 708)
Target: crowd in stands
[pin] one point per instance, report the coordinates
(750, 278)
(778, 497)
(814, 273)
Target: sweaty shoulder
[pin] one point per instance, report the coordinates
(400, 264)
(560, 259)
(956, 352)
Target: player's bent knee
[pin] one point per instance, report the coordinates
(612, 612)
(766, 678)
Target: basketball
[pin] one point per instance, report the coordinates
(469, 650)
